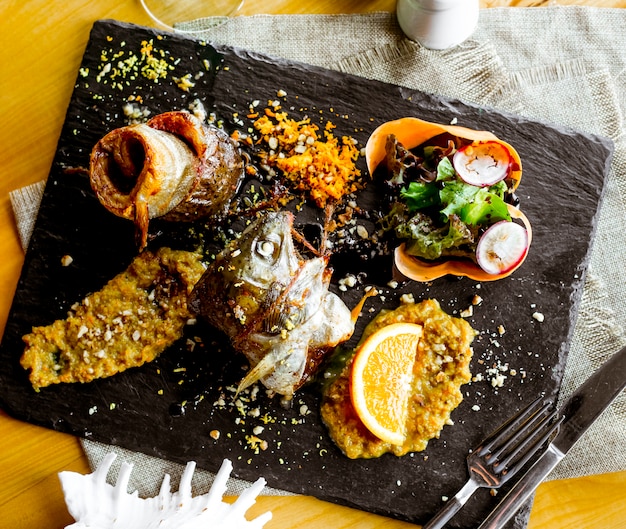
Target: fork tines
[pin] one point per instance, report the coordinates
(518, 439)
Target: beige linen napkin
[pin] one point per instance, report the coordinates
(514, 59)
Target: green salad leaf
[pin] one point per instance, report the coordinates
(499, 189)
(455, 196)
(424, 239)
(486, 207)
(445, 170)
(474, 205)
(420, 195)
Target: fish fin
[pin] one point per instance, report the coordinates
(356, 311)
(262, 369)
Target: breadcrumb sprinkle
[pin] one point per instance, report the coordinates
(130, 321)
(314, 161)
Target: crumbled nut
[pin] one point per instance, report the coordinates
(362, 231)
(349, 281)
(407, 299)
(498, 381)
(538, 316)
(214, 434)
(67, 260)
(468, 312)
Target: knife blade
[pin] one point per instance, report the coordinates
(579, 412)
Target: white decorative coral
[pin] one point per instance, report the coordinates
(95, 504)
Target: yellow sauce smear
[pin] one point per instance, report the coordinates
(324, 167)
(130, 321)
(441, 368)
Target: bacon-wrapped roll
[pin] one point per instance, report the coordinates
(173, 167)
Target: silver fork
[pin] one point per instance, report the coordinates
(502, 454)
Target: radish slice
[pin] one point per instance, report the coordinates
(483, 163)
(502, 247)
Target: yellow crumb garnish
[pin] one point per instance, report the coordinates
(184, 82)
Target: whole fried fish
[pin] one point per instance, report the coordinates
(273, 304)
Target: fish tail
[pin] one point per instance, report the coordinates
(262, 369)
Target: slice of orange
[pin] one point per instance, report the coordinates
(381, 376)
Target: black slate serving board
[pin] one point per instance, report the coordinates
(168, 408)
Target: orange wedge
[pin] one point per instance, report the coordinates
(381, 377)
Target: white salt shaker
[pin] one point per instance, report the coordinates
(438, 24)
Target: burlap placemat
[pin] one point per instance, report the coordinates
(577, 55)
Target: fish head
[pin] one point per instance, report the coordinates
(264, 253)
(258, 264)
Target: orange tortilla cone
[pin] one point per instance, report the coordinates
(412, 132)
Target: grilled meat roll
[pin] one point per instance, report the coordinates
(173, 167)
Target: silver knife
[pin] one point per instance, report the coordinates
(579, 411)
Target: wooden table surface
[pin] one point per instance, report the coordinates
(41, 43)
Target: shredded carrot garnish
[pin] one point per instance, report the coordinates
(318, 164)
